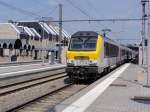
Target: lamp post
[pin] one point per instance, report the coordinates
(143, 2)
(42, 46)
(60, 32)
(148, 65)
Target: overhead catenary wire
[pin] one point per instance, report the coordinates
(102, 20)
(47, 18)
(75, 20)
(25, 12)
(52, 11)
(81, 10)
(91, 5)
(22, 11)
(127, 39)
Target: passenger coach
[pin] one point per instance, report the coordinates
(90, 54)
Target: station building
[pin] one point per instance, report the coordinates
(28, 40)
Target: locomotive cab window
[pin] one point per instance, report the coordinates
(83, 43)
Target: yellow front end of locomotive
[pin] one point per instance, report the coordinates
(88, 57)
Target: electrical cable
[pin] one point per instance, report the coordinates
(22, 11)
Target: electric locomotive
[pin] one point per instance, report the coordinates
(90, 54)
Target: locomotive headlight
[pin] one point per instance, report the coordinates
(70, 62)
(93, 62)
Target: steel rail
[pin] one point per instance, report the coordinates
(24, 85)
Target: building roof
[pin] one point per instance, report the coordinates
(13, 26)
(64, 33)
(21, 29)
(57, 32)
(49, 29)
(29, 31)
(35, 32)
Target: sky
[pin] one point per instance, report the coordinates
(124, 32)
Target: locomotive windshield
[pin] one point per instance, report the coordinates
(83, 44)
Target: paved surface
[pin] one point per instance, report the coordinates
(114, 98)
(10, 69)
(16, 74)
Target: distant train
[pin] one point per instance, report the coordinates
(90, 54)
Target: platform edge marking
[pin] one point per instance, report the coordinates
(81, 104)
(31, 70)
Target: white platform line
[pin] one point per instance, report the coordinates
(15, 66)
(86, 100)
(31, 70)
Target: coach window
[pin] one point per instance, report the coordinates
(113, 50)
(123, 52)
(110, 50)
(106, 50)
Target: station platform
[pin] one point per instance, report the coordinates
(16, 74)
(4, 71)
(122, 90)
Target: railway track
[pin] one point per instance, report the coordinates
(18, 94)
(15, 77)
(47, 102)
(23, 85)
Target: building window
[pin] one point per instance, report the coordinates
(50, 38)
(4, 45)
(40, 31)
